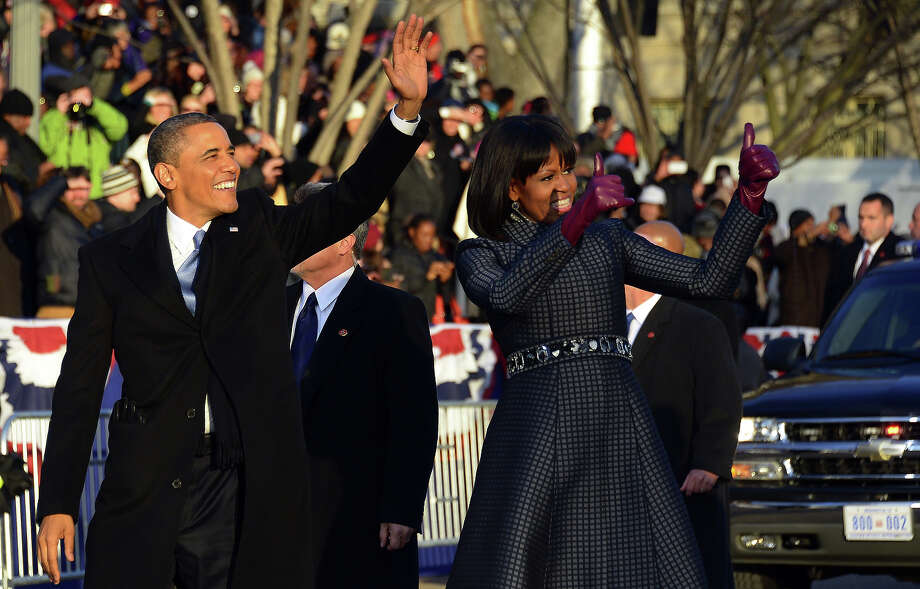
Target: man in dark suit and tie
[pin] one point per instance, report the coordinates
(199, 488)
(683, 360)
(875, 244)
(362, 356)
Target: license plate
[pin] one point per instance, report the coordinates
(879, 521)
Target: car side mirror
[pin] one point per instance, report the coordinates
(783, 354)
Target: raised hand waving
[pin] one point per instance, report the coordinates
(408, 72)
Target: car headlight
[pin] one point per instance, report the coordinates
(759, 429)
(758, 470)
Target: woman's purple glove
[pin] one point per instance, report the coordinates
(604, 193)
(757, 166)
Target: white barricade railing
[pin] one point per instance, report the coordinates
(461, 430)
(26, 433)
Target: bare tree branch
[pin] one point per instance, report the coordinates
(298, 57)
(325, 143)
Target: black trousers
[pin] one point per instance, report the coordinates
(709, 517)
(208, 528)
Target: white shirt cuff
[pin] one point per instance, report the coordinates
(407, 127)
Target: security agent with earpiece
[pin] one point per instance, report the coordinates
(203, 485)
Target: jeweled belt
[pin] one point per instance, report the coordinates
(566, 349)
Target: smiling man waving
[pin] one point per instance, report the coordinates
(199, 489)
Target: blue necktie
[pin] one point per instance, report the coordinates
(187, 270)
(629, 319)
(304, 338)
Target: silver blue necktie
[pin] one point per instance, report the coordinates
(187, 270)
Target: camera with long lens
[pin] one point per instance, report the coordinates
(77, 112)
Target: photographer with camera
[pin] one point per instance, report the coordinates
(80, 129)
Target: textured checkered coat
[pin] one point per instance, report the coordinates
(574, 488)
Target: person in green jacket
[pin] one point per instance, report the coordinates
(80, 130)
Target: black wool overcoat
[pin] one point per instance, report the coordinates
(129, 301)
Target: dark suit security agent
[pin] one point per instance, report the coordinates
(680, 353)
(362, 357)
(199, 489)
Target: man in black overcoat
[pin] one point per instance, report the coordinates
(874, 245)
(362, 354)
(200, 489)
(683, 360)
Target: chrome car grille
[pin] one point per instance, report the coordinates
(845, 431)
(848, 467)
(836, 451)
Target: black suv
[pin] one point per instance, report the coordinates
(827, 472)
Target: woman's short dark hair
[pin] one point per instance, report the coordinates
(513, 149)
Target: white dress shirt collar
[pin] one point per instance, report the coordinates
(329, 292)
(640, 314)
(873, 249)
(181, 235)
(326, 296)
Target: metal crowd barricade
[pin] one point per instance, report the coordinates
(461, 431)
(26, 433)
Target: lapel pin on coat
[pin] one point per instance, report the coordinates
(234, 229)
(343, 332)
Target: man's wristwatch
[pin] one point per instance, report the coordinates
(417, 119)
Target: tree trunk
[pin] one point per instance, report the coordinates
(196, 44)
(368, 123)
(529, 68)
(223, 76)
(270, 49)
(471, 22)
(622, 31)
(907, 97)
(292, 95)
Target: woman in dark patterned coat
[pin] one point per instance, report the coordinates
(573, 488)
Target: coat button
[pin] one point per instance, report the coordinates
(177, 484)
(191, 413)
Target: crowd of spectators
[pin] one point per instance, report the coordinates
(112, 71)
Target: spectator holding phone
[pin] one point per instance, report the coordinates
(671, 175)
(804, 261)
(425, 272)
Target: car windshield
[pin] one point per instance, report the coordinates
(880, 318)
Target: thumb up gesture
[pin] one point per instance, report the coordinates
(602, 194)
(756, 167)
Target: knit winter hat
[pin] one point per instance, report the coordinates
(653, 195)
(117, 179)
(15, 102)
